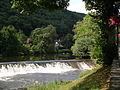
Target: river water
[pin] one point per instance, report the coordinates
(14, 75)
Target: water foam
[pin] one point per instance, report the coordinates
(10, 70)
(53, 68)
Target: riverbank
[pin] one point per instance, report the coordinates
(95, 79)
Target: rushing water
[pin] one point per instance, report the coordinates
(15, 75)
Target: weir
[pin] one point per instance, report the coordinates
(41, 72)
(51, 66)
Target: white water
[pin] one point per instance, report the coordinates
(53, 68)
(22, 75)
(84, 66)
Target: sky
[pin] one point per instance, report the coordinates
(77, 6)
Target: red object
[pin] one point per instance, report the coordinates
(118, 35)
(115, 20)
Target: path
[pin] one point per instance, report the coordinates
(115, 74)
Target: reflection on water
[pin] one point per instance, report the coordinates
(37, 58)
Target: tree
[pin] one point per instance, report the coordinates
(87, 34)
(21, 36)
(1, 45)
(104, 10)
(103, 7)
(68, 41)
(29, 6)
(9, 43)
(63, 20)
(42, 40)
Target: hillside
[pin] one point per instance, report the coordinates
(63, 20)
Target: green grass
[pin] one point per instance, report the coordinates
(96, 79)
(51, 86)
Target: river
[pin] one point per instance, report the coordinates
(31, 71)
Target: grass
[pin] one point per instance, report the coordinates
(51, 86)
(96, 79)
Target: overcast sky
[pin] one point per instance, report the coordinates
(77, 6)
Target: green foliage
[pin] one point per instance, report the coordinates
(64, 51)
(51, 86)
(109, 48)
(68, 41)
(21, 36)
(105, 9)
(95, 79)
(63, 20)
(98, 80)
(87, 37)
(9, 43)
(81, 47)
(102, 7)
(32, 5)
(96, 38)
(42, 40)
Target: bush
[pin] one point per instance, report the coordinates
(42, 40)
(9, 43)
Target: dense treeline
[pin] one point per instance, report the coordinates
(15, 43)
(63, 20)
(36, 33)
(104, 10)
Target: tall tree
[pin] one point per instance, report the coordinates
(87, 37)
(104, 10)
(42, 40)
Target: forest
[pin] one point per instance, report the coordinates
(21, 33)
(63, 20)
(31, 30)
